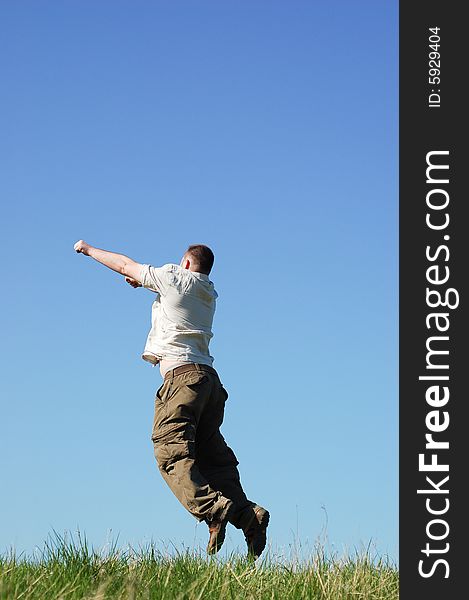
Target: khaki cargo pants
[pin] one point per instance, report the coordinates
(191, 453)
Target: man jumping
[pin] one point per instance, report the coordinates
(191, 453)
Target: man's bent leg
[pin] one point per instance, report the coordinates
(175, 457)
(177, 410)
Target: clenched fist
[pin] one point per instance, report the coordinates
(82, 247)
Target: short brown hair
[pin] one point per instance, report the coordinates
(202, 258)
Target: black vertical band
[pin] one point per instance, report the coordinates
(434, 357)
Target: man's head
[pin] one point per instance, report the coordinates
(198, 258)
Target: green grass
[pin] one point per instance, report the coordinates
(69, 569)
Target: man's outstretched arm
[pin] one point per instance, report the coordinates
(117, 262)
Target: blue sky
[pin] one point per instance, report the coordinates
(267, 130)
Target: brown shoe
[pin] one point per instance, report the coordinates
(255, 532)
(217, 529)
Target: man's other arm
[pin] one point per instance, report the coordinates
(117, 262)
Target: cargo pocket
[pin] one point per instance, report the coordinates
(173, 435)
(167, 432)
(168, 454)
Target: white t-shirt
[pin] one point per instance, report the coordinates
(182, 316)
